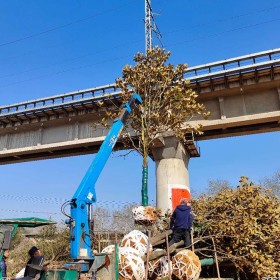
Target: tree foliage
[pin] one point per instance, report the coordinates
(168, 102)
(245, 223)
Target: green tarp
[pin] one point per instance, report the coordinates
(11, 225)
(27, 222)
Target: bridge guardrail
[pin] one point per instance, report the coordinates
(67, 98)
(233, 66)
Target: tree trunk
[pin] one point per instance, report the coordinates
(160, 237)
(160, 253)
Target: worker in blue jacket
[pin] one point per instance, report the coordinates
(181, 223)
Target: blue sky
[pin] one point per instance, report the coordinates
(52, 47)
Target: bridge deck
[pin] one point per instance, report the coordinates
(242, 94)
(237, 69)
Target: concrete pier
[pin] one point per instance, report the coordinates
(172, 173)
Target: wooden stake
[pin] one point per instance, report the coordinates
(216, 258)
(148, 255)
(99, 243)
(192, 239)
(168, 256)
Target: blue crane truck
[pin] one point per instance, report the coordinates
(79, 219)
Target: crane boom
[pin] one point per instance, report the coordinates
(80, 244)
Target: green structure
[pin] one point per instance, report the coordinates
(8, 228)
(60, 274)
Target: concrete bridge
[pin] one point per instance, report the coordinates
(242, 94)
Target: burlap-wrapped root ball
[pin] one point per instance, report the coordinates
(158, 269)
(144, 215)
(137, 240)
(131, 266)
(186, 265)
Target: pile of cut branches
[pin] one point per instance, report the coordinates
(245, 224)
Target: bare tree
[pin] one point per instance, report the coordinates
(273, 183)
(102, 219)
(123, 219)
(217, 185)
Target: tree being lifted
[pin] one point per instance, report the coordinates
(168, 103)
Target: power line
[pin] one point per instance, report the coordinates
(63, 26)
(113, 215)
(110, 205)
(175, 30)
(27, 211)
(224, 19)
(81, 57)
(224, 32)
(66, 61)
(105, 61)
(174, 44)
(60, 200)
(24, 198)
(65, 71)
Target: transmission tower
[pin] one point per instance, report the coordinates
(150, 26)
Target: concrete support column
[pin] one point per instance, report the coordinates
(172, 177)
(40, 136)
(222, 108)
(4, 141)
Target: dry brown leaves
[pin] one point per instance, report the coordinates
(246, 225)
(168, 101)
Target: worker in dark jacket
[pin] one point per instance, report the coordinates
(181, 223)
(3, 263)
(30, 272)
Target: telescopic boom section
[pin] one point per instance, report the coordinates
(85, 194)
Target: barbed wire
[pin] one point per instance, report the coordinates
(112, 215)
(110, 210)
(60, 200)
(28, 211)
(49, 200)
(111, 206)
